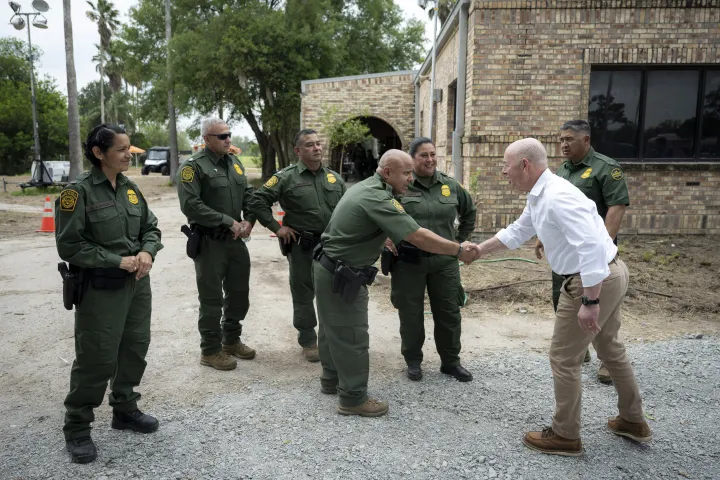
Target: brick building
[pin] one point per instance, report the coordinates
(645, 73)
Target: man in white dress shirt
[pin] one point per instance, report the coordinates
(577, 246)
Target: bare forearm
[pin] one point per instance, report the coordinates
(613, 219)
(490, 245)
(430, 242)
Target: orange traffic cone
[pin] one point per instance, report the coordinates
(279, 217)
(48, 219)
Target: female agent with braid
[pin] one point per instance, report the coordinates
(109, 236)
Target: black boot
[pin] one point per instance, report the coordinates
(458, 371)
(135, 420)
(82, 449)
(414, 372)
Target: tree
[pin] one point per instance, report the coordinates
(343, 133)
(158, 135)
(76, 157)
(106, 16)
(16, 140)
(89, 108)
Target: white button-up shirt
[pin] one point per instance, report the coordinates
(568, 225)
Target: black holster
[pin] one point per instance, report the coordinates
(387, 261)
(285, 248)
(192, 249)
(308, 240)
(409, 253)
(111, 278)
(346, 280)
(74, 284)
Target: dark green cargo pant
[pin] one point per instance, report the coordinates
(112, 335)
(223, 265)
(440, 275)
(303, 294)
(343, 339)
(557, 281)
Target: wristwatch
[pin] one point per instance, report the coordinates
(459, 252)
(587, 302)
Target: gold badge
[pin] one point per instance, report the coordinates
(238, 169)
(617, 174)
(586, 173)
(397, 205)
(331, 178)
(132, 197)
(68, 200)
(187, 174)
(445, 190)
(272, 182)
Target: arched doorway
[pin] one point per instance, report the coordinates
(360, 160)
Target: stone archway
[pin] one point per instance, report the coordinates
(360, 160)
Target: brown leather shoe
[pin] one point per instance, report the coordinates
(603, 375)
(219, 361)
(239, 350)
(551, 443)
(371, 408)
(311, 353)
(640, 432)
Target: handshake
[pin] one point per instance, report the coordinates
(470, 252)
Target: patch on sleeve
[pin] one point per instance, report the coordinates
(331, 178)
(586, 173)
(238, 169)
(272, 182)
(617, 174)
(132, 197)
(445, 191)
(68, 200)
(187, 174)
(397, 206)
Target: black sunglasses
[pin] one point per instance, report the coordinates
(222, 136)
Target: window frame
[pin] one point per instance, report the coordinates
(699, 105)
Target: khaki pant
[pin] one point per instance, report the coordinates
(570, 342)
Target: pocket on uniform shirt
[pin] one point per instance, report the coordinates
(301, 197)
(105, 224)
(134, 217)
(219, 182)
(333, 194)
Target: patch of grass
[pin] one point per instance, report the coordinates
(35, 191)
(254, 161)
(648, 255)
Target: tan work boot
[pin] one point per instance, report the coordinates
(603, 375)
(239, 350)
(551, 443)
(640, 432)
(219, 361)
(371, 408)
(311, 353)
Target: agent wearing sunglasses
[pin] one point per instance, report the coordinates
(214, 194)
(308, 192)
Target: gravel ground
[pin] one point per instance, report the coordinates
(438, 428)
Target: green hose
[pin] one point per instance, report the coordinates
(504, 260)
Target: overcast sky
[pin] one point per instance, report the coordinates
(85, 35)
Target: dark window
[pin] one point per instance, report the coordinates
(710, 136)
(655, 114)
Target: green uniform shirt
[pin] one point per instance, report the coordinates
(96, 226)
(364, 218)
(214, 190)
(307, 198)
(434, 203)
(600, 178)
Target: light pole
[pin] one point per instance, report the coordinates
(423, 4)
(17, 21)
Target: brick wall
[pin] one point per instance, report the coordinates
(530, 64)
(390, 97)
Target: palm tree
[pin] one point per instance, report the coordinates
(106, 16)
(76, 162)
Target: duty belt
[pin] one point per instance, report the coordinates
(408, 250)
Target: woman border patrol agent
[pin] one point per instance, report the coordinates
(434, 201)
(109, 236)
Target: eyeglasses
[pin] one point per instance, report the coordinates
(221, 136)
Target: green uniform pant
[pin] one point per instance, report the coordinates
(303, 294)
(440, 275)
(343, 339)
(557, 281)
(223, 265)
(112, 335)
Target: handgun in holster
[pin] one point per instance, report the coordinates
(349, 280)
(194, 234)
(285, 248)
(74, 284)
(387, 261)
